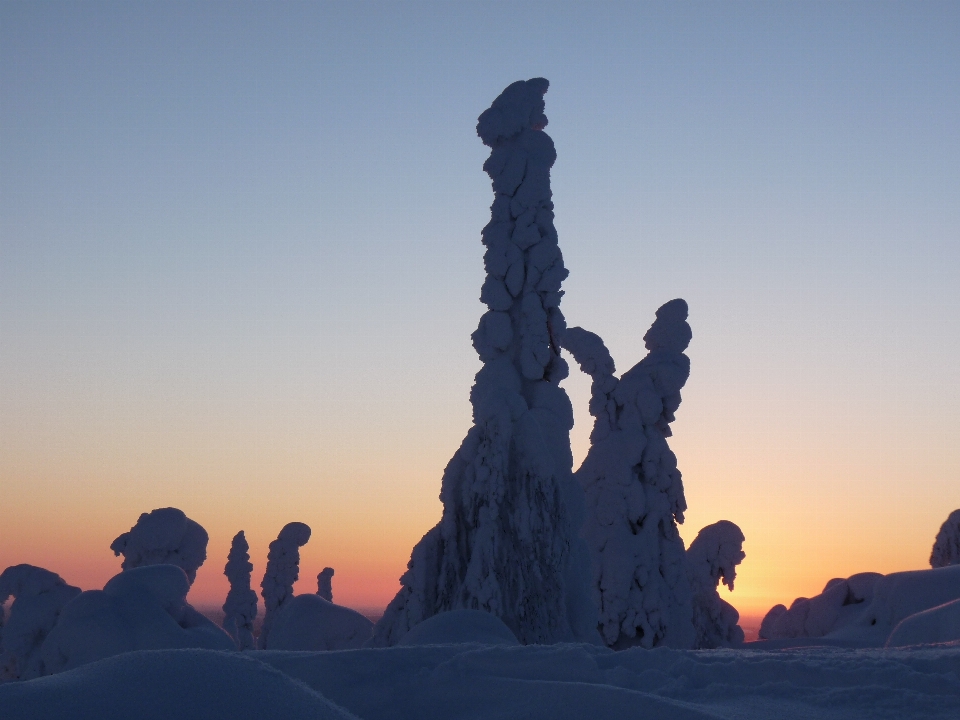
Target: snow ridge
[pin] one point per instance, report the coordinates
(507, 541)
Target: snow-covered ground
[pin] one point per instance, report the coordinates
(450, 682)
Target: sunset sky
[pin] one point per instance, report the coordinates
(240, 263)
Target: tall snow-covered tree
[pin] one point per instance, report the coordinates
(507, 542)
(634, 491)
(283, 569)
(946, 548)
(240, 607)
(325, 584)
(712, 558)
(165, 536)
(39, 596)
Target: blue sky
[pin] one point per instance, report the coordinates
(239, 245)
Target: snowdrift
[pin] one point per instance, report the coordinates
(308, 622)
(864, 609)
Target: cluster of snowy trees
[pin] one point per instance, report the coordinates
(526, 550)
(52, 626)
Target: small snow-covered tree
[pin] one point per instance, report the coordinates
(634, 491)
(946, 548)
(283, 569)
(39, 596)
(240, 608)
(712, 558)
(507, 542)
(163, 537)
(325, 584)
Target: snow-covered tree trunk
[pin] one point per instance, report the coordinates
(240, 608)
(283, 569)
(507, 542)
(634, 492)
(39, 596)
(712, 558)
(946, 548)
(165, 536)
(325, 584)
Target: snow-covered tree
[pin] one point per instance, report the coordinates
(240, 608)
(163, 537)
(712, 558)
(283, 569)
(507, 542)
(634, 492)
(946, 548)
(39, 596)
(325, 584)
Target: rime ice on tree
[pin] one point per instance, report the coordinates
(946, 548)
(39, 596)
(325, 584)
(507, 542)
(283, 569)
(634, 492)
(712, 558)
(240, 608)
(163, 537)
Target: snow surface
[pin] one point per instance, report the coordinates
(39, 599)
(460, 626)
(140, 609)
(283, 569)
(308, 622)
(946, 548)
(937, 625)
(476, 682)
(634, 491)
(165, 536)
(240, 607)
(507, 542)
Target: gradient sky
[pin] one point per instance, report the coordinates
(240, 264)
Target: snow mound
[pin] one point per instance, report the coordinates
(163, 537)
(163, 684)
(460, 626)
(712, 558)
(308, 622)
(937, 625)
(946, 547)
(140, 609)
(39, 597)
(864, 609)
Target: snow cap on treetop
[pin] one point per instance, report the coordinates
(519, 106)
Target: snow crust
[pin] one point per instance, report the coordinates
(39, 596)
(283, 569)
(240, 607)
(165, 536)
(461, 626)
(946, 548)
(140, 609)
(712, 558)
(308, 622)
(634, 490)
(507, 542)
(863, 610)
